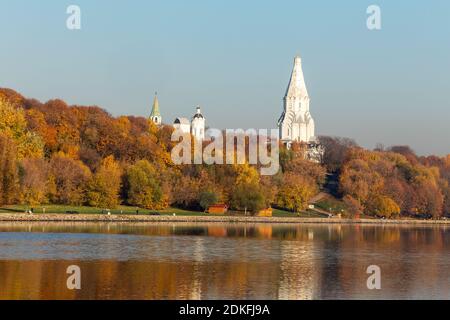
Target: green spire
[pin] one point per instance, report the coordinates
(155, 109)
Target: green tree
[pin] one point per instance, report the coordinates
(207, 198)
(144, 188)
(34, 181)
(247, 197)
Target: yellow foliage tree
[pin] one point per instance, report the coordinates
(9, 175)
(295, 192)
(358, 180)
(14, 125)
(382, 206)
(246, 174)
(104, 186)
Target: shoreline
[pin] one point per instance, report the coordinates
(6, 217)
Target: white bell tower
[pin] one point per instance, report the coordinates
(198, 125)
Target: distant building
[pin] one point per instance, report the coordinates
(315, 152)
(265, 213)
(182, 124)
(218, 209)
(196, 126)
(296, 123)
(155, 116)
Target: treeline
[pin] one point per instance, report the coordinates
(389, 182)
(74, 155)
(52, 153)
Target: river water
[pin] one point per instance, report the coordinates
(223, 261)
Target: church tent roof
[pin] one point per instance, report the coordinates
(155, 108)
(297, 86)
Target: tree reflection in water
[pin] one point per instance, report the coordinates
(222, 261)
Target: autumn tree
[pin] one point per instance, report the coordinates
(13, 125)
(12, 97)
(9, 175)
(384, 182)
(33, 181)
(269, 186)
(335, 151)
(36, 123)
(382, 206)
(358, 180)
(354, 206)
(246, 193)
(406, 151)
(67, 180)
(429, 199)
(246, 174)
(446, 205)
(306, 168)
(295, 192)
(185, 191)
(104, 186)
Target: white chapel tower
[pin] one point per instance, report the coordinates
(296, 122)
(198, 125)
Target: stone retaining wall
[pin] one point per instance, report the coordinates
(228, 219)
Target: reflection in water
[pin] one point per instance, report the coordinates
(222, 261)
(297, 278)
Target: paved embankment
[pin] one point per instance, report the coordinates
(224, 219)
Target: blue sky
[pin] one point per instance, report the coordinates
(234, 58)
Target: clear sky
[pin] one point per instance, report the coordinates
(234, 58)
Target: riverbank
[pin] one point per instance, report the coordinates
(19, 217)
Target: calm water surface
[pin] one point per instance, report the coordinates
(229, 261)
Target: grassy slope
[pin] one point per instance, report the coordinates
(334, 205)
(92, 210)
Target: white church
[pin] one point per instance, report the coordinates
(296, 123)
(195, 126)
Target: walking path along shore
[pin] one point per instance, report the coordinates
(19, 217)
